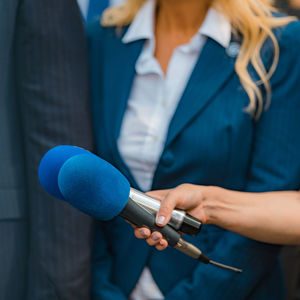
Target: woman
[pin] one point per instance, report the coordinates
(179, 90)
(272, 217)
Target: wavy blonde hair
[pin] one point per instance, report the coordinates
(253, 19)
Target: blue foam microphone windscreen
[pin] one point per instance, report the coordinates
(93, 186)
(51, 163)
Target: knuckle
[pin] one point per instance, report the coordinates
(137, 234)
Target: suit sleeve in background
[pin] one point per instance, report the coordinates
(54, 101)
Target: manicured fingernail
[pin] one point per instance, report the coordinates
(160, 220)
(143, 233)
(155, 237)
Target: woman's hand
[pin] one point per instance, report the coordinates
(194, 199)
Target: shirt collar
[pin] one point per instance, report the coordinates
(216, 26)
(142, 27)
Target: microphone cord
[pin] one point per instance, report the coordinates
(206, 260)
(194, 252)
(219, 265)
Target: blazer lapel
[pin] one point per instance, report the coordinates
(212, 70)
(119, 71)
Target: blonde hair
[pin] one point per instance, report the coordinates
(253, 19)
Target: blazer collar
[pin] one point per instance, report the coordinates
(118, 75)
(212, 69)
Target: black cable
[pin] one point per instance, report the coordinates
(225, 266)
(205, 259)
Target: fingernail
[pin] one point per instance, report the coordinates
(143, 233)
(160, 220)
(161, 243)
(155, 237)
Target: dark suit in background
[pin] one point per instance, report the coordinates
(13, 202)
(51, 107)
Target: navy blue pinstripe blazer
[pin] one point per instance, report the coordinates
(211, 141)
(44, 101)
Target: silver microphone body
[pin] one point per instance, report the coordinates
(180, 220)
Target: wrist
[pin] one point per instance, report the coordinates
(211, 203)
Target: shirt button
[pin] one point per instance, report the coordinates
(168, 159)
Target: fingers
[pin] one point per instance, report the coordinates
(142, 233)
(185, 196)
(170, 201)
(162, 245)
(188, 197)
(154, 239)
(167, 197)
(151, 238)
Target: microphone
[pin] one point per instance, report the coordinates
(95, 187)
(180, 220)
(55, 158)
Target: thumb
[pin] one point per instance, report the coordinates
(167, 205)
(158, 194)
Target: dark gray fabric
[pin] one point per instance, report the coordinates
(53, 94)
(13, 237)
(13, 202)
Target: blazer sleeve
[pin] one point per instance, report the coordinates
(102, 286)
(275, 165)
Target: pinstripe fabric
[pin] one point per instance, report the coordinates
(11, 172)
(53, 84)
(13, 237)
(13, 225)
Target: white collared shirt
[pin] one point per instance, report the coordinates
(154, 96)
(152, 103)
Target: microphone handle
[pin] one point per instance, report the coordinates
(180, 220)
(140, 217)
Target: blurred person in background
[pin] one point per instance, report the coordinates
(45, 245)
(204, 92)
(13, 198)
(53, 95)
